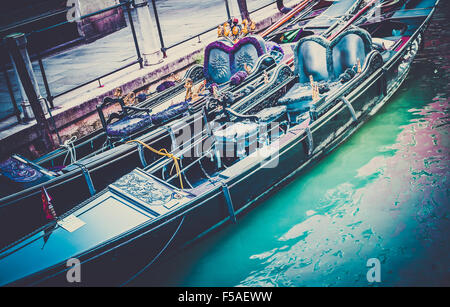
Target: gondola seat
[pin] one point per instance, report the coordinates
(234, 139)
(172, 112)
(347, 48)
(129, 125)
(269, 115)
(222, 59)
(327, 62)
(126, 123)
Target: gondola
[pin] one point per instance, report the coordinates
(300, 117)
(72, 174)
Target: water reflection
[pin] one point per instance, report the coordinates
(394, 208)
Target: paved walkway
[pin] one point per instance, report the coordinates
(75, 66)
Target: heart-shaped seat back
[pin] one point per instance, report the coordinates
(325, 60)
(223, 59)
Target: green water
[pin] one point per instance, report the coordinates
(382, 194)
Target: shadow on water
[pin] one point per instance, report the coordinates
(382, 194)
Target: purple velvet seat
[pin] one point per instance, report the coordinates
(223, 59)
(129, 125)
(133, 123)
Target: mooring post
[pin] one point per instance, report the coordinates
(243, 9)
(11, 94)
(17, 47)
(151, 53)
(25, 103)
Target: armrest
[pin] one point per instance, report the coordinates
(110, 100)
(242, 116)
(137, 109)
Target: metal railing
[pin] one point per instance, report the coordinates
(164, 48)
(38, 54)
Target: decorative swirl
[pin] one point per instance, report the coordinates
(18, 171)
(145, 190)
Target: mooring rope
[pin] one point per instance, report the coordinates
(165, 153)
(71, 150)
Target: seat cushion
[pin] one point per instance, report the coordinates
(299, 93)
(236, 131)
(128, 125)
(271, 114)
(170, 113)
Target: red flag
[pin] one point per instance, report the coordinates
(49, 211)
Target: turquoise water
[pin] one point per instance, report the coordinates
(383, 194)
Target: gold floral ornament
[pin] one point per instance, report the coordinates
(118, 92)
(314, 88)
(188, 86)
(176, 78)
(193, 93)
(248, 68)
(199, 90)
(236, 31)
(130, 98)
(245, 29)
(226, 29)
(220, 31)
(266, 77)
(252, 27)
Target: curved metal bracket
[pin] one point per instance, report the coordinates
(283, 9)
(141, 155)
(172, 137)
(310, 141)
(350, 107)
(87, 177)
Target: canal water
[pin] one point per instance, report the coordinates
(383, 194)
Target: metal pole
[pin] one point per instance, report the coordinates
(150, 51)
(243, 9)
(133, 31)
(44, 78)
(17, 47)
(27, 114)
(11, 94)
(227, 6)
(234, 8)
(158, 26)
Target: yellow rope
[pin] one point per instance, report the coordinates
(165, 153)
